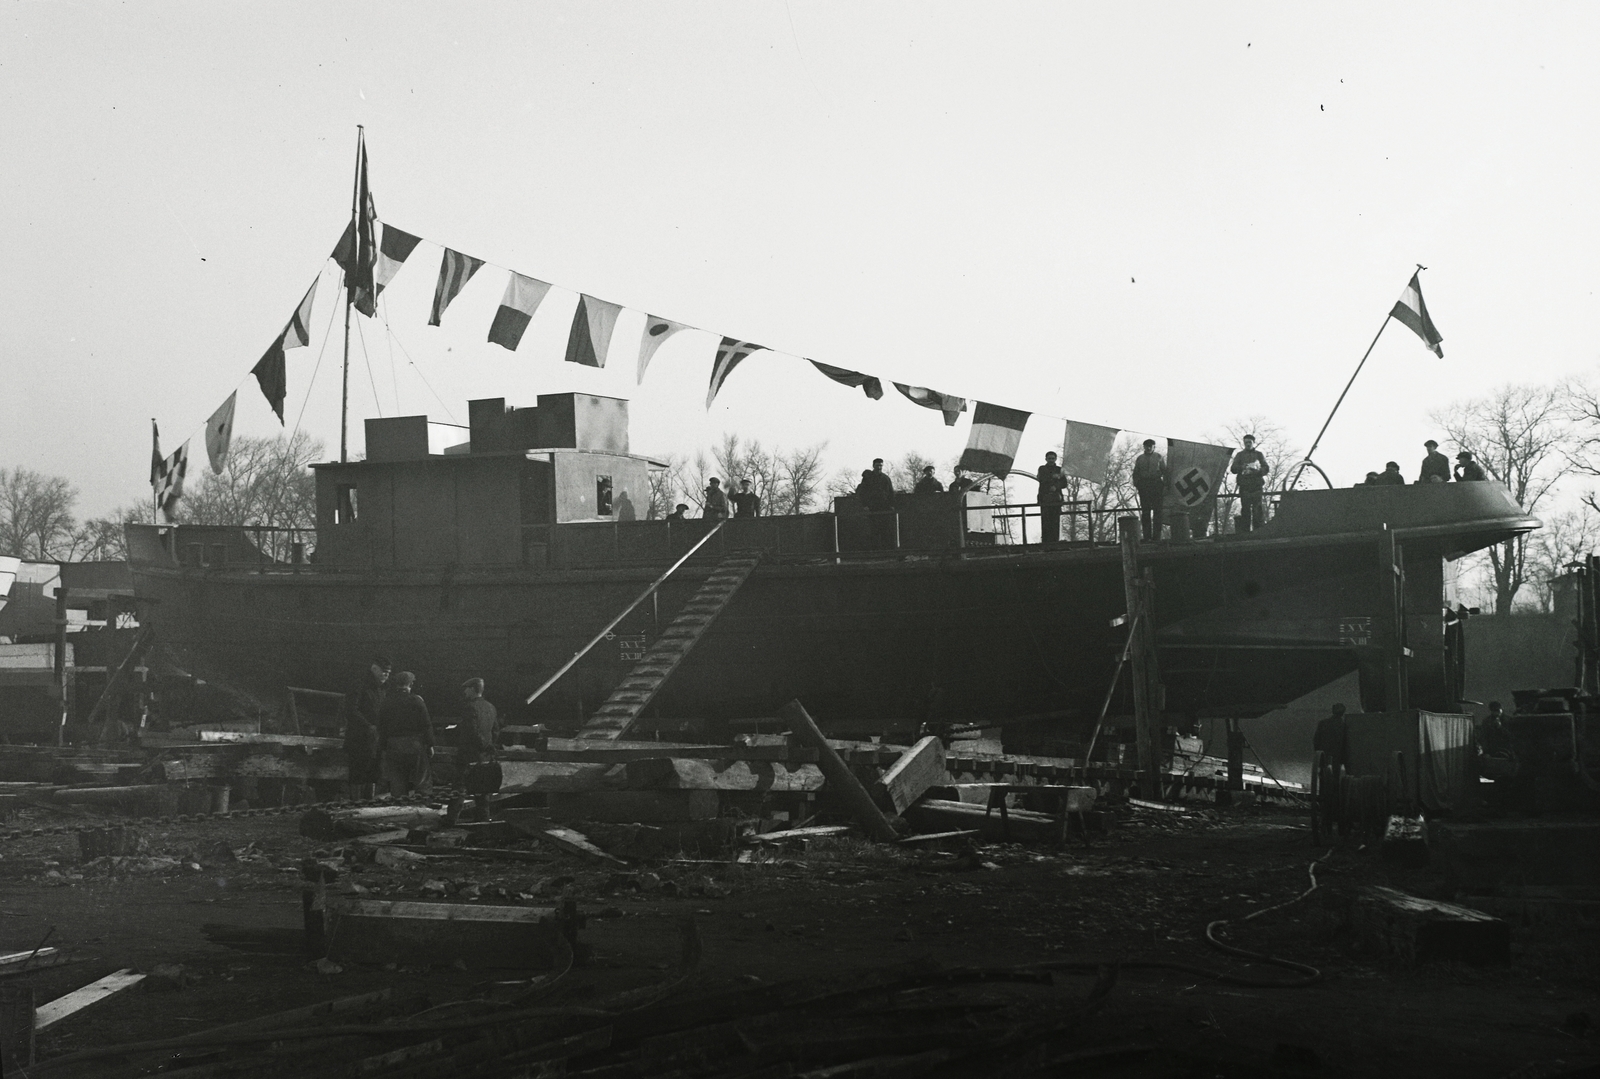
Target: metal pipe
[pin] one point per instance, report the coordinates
(646, 594)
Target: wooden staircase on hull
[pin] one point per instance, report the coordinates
(628, 701)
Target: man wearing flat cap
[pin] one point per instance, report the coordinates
(1467, 469)
(1250, 465)
(1435, 466)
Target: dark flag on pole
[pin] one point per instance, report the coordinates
(357, 251)
(1410, 310)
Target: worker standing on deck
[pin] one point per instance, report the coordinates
(928, 484)
(1251, 467)
(1435, 466)
(479, 740)
(716, 507)
(679, 514)
(876, 491)
(746, 503)
(361, 728)
(1390, 476)
(405, 739)
(1150, 480)
(1468, 470)
(1051, 482)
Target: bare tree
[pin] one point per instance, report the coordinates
(1565, 538)
(801, 470)
(1583, 411)
(104, 539)
(265, 482)
(843, 482)
(908, 470)
(1523, 437)
(36, 518)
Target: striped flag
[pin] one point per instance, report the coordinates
(869, 385)
(455, 270)
(219, 433)
(992, 444)
(730, 353)
(1410, 310)
(393, 251)
(656, 332)
(522, 299)
(168, 483)
(592, 324)
(271, 370)
(943, 402)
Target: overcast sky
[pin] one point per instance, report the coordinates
(1158, 217)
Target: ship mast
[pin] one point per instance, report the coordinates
(349, 296)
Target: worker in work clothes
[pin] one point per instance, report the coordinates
(479, 739)
(876, 491)
(716, 501)
(361, 728)
(1390, 476)
(1468, 470)
(1150, 480)
(1051, 482)
(1251, 467)
(746, 503)
(929, 484)
(1435, 466)
(405, 739)
(1332, 740)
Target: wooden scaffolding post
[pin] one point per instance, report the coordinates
(1137, 593)
(1392, 573)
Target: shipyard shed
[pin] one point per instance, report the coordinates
(489, 501)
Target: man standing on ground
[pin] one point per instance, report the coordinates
(1150, 480)
(928, 484)
(405, 739)
(479, 735)
(746, 503)
(361, 728)
(1051, 481)
(716, 501)
(1251, 467)
(1435, 466)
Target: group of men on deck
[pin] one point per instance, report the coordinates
(389, 739)
(1435, 469)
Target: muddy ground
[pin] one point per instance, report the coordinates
(1147, 889)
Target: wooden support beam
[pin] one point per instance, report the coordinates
(384, 931)
(839, 776)
(1418, 930)
(1136, 592)
(920, 767)
(79, 999)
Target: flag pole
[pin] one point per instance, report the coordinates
(1318, 440)
(355, 241)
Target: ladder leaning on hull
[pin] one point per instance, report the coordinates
(639, 688)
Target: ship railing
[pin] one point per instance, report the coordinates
(263, 548)
(1083, 523)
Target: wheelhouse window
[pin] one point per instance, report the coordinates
(344, 510)
(602, 496)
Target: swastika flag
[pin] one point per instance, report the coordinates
(1194, 471)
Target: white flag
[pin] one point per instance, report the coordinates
(1086, 450)
(656, 332)
(219, 433)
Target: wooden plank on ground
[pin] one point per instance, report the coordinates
(23, 962)
(79, 999)
(843, 781)
(593, 752)
(920, 767)
(938, 814)
(237, 737)
(937, 837)
(479, 935)
(519, 776)
(1418, 930)
(575, 842)
(721, 775)
(816, 831)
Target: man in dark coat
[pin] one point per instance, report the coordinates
(876, 491)
(361, 728)
(1051, 481)
(1468, 470)
(1251, 467)
(1390, 476)
(1435, 466)
(716, 507)
(746, 503)
(478, 742)
(928, 484)
(1332, 737)
(405, 739)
